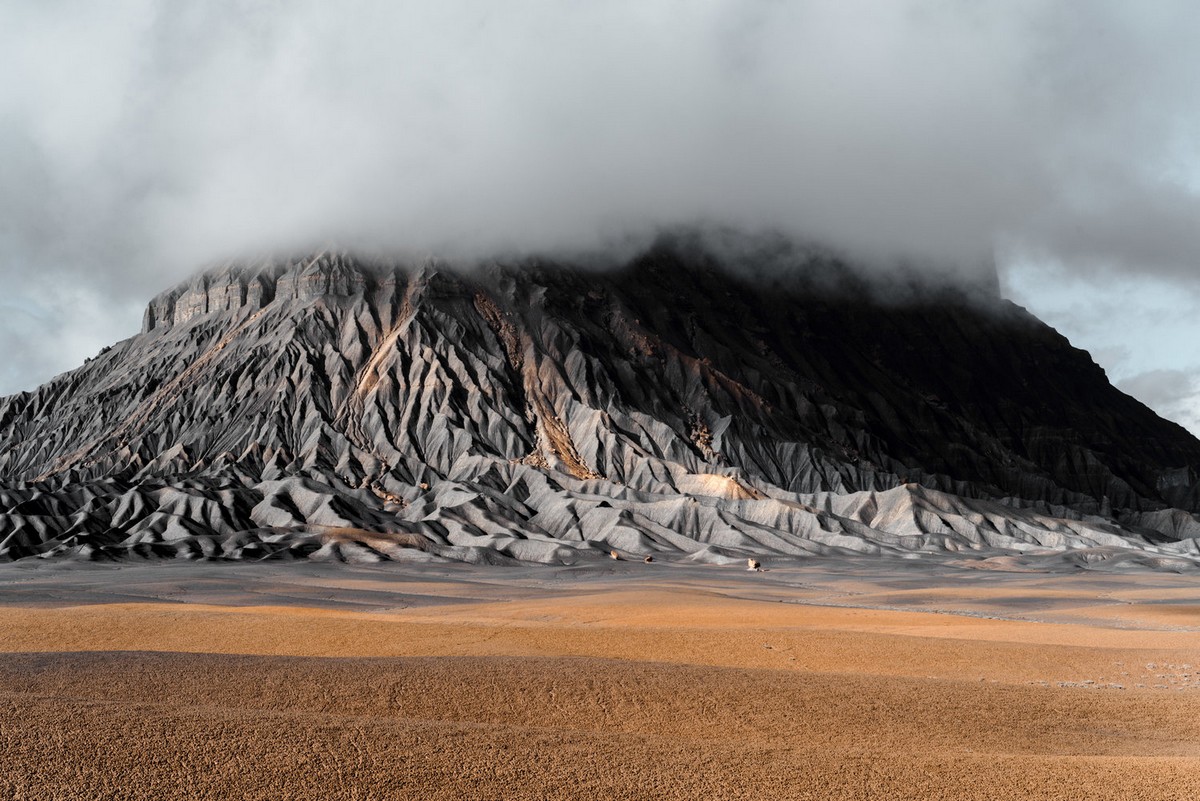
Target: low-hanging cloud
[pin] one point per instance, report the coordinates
(141, 138)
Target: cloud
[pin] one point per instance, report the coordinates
(1174, 394)
(47, 326)
(1141, 327)
(140, 138)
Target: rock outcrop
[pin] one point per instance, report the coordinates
(331, 407)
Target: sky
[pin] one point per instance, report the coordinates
(1055, 141)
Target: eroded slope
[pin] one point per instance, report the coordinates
(330, 407)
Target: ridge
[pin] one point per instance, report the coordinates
(539, 410)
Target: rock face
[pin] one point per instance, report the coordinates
(333, 408)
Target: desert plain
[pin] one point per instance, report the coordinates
(824, 679)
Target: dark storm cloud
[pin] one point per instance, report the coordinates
(139, 138)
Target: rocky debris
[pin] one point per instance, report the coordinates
(331, 408)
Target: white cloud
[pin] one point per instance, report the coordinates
(1174, 394)
(141, 138)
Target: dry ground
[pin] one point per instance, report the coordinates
(678, 685)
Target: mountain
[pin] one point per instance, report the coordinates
(682, 405)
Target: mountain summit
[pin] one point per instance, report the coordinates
(333, 407)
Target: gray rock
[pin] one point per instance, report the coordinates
(334, 408)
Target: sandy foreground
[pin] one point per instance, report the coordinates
(855, 679)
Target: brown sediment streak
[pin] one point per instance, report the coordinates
(503, 328)
(558, 438)
(368, 379)
(550, 430)
(368, 376)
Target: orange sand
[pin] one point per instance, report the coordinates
(659, 691)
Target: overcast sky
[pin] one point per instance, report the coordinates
(141, 139)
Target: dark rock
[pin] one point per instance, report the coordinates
(333, 408)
